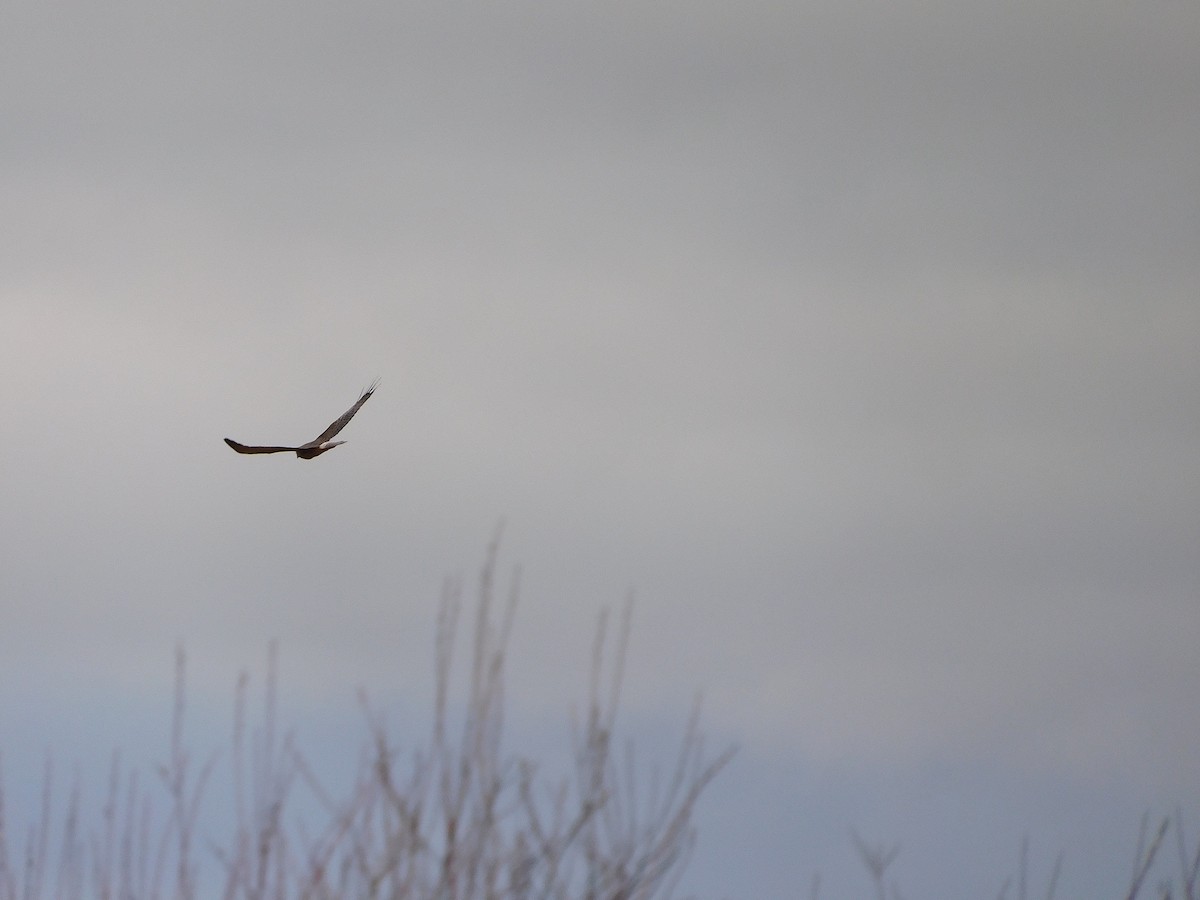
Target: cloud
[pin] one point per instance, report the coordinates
(855, 339)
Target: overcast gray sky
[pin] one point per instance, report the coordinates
(857, 339)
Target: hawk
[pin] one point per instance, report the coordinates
(320, 444)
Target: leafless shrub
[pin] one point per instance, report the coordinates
(456, 818)
(879, 857)
(465, 820)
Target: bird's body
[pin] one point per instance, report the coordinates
(320, 444)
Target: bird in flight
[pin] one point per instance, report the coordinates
(320, 444)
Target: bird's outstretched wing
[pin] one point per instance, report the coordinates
(345, 417)
(242, 448)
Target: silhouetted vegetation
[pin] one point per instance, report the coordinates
(457, 818)
(877, 858)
